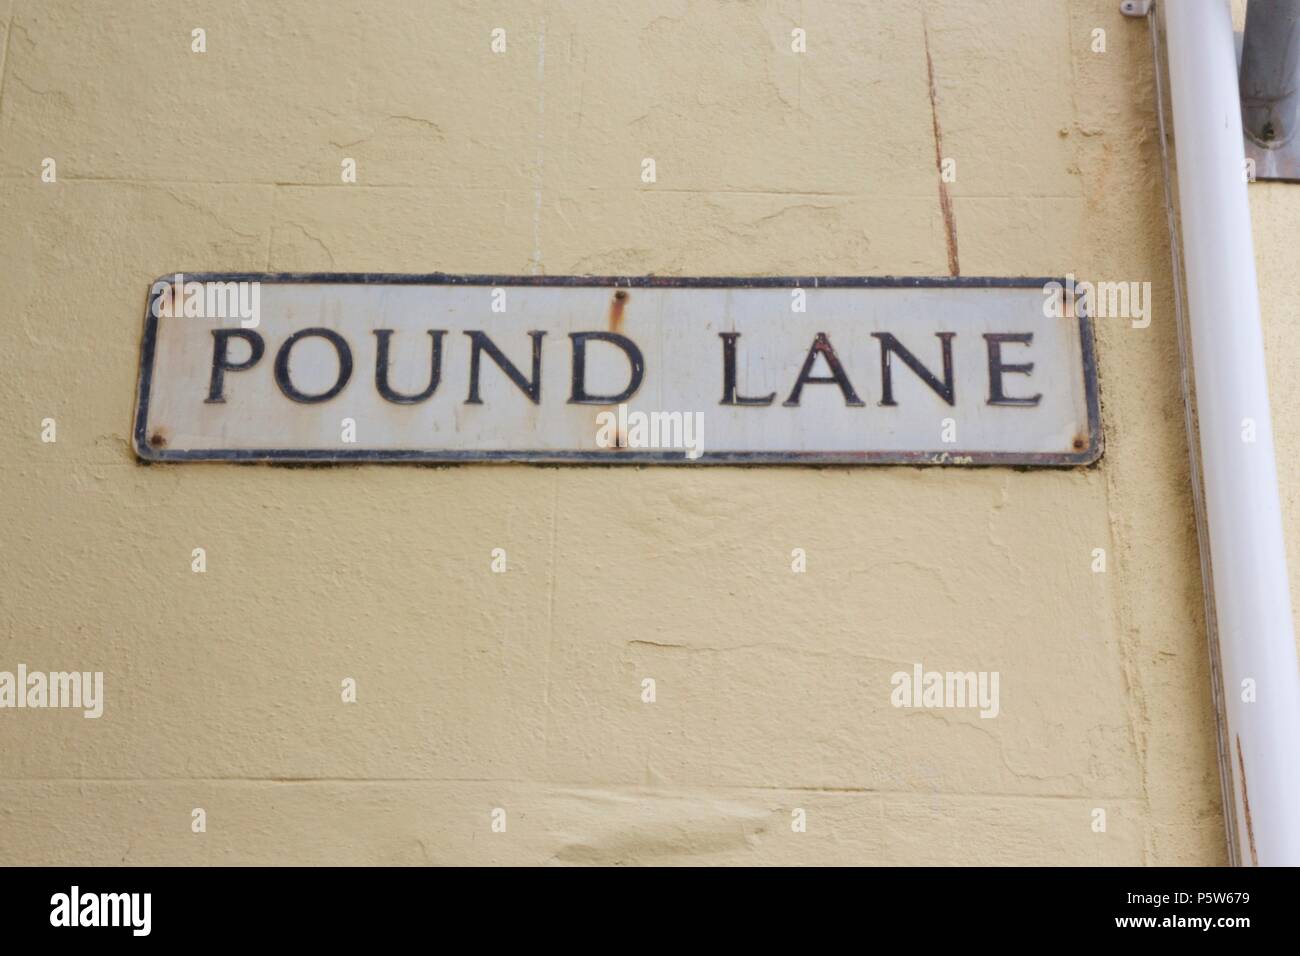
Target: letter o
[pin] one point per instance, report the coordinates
(282, 366)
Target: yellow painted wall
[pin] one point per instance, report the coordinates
(523, 690)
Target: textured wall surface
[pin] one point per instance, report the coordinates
(522, 690)
(1275, 215)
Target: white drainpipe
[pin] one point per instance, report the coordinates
(1247, 554)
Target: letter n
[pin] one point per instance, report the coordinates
(481, 343)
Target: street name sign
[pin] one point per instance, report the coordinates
(449, 368)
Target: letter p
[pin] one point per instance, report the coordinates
(221, 363)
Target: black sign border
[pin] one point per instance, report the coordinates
(1089, 455)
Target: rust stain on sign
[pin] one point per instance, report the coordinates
(616, 306)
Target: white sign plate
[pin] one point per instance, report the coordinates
(443, 368)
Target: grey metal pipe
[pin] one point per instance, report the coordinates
(1270, 71)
